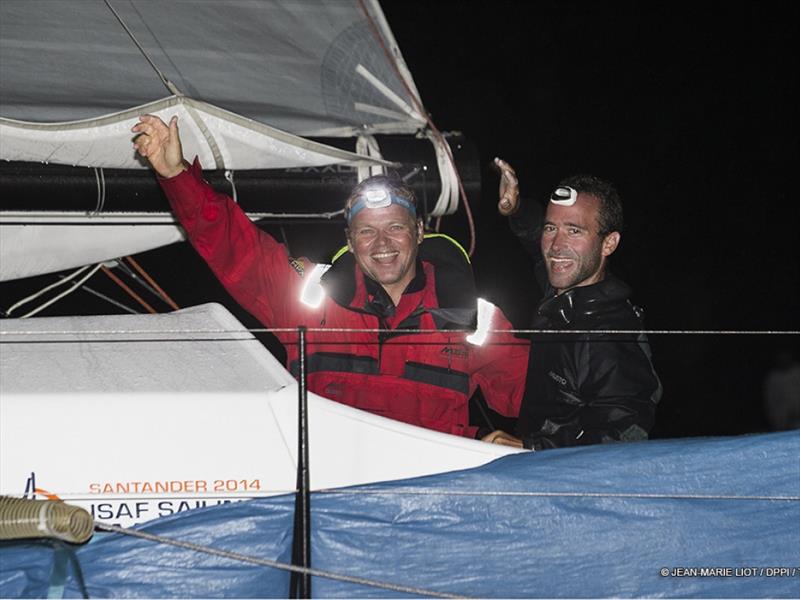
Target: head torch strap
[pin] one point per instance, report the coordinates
(379, 200)
(564, 196)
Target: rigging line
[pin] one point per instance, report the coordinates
(421, 110)
(169, 85)
(229, 173)
(94, 292)
(135, 277)
(153, 283)
(125, 287)
(635, 495)
(157, 218)
(35, 295)
(100, 181)
(264, 562)
(66, 292)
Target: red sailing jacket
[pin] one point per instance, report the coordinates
(425, 379)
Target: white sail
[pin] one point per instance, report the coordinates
(249, 82)
(323, 68)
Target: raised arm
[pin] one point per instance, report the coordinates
(509, 189)
(525, 217)
(253, 267)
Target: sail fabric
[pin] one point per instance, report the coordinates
(29, 245)
(703, 518)
(325, 68)
(220, 139)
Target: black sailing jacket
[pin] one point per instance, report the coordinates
(585, 388)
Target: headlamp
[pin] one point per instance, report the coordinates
(377, 198)
(564, 196)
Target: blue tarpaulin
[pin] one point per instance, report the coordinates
(702, 517)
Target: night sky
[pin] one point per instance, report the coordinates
(692, 113)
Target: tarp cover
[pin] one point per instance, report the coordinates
(616, 520)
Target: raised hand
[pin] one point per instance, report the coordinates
(509, 189)
(160, 144)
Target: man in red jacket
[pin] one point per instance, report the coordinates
(386, 321)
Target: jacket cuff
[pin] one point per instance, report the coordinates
(482, 432)
(193, 170)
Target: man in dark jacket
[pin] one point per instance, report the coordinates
(581, 388)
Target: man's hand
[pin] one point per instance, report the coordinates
(160, 144)
(499, 436)
(509, 189)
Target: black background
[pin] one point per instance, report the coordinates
(691, 110)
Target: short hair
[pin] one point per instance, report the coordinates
(609, 215)
(392, 184)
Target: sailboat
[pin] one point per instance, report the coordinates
(192, 486)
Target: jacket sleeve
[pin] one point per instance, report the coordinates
(617, 396)
(527, 224)
(500, 366)
(253, 267)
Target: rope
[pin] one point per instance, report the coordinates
(100, 180)
(54, 285)
(263, 562)
(66, 292)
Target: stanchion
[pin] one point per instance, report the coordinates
(300, 583)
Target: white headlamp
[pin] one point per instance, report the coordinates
(377, 198)
(564, 196)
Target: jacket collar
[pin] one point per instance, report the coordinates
(583, 302)
(452, 307)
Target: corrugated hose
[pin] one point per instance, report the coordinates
(24, 518)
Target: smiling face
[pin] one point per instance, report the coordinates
(574, 251)
(384, 242)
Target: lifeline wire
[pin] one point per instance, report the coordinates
(112, 332)
(266, 493)
(274, 564)
(635, 495)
